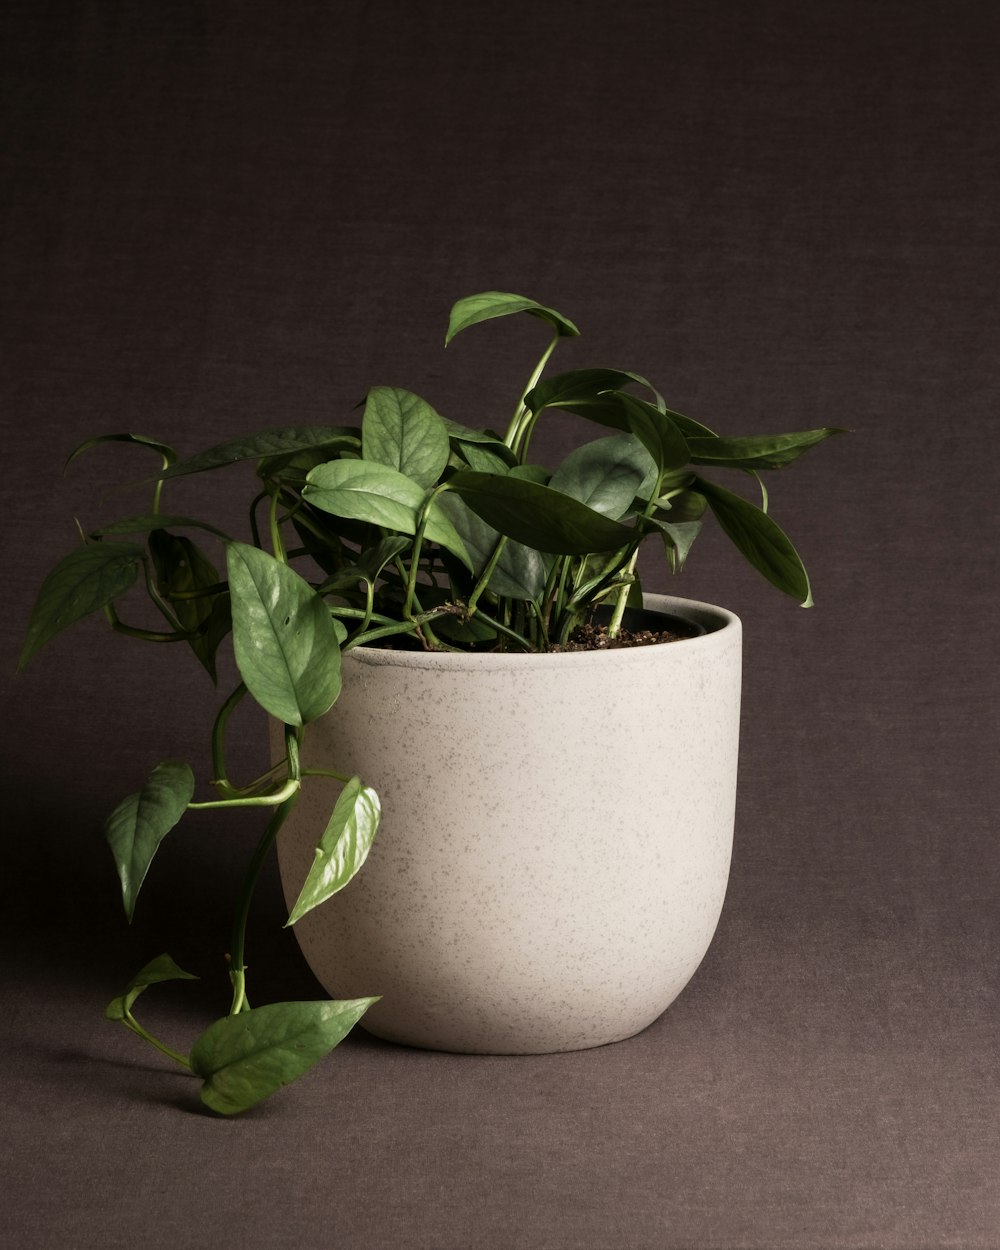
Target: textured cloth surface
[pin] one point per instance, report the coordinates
(222, 217)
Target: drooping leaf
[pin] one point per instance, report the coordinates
(539, 516)
(760, 539)
(678, 538)
(403, 431)
(183, 568)
(764, 452)
(488, 304)
(85, 581)
(267, 443)
(656, 431)
(162, 968)
(140, 822)
(285, 640)
(245, 1058)
(607, 474)
(465, 434)
(343, 847)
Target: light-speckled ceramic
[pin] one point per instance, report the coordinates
(555, 843)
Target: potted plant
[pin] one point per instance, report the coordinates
(478, 621)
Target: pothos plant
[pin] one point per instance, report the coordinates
(406, 529)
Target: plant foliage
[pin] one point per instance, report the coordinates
(404, 528)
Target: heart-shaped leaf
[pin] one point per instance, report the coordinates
(162, 968)
(539, 516)
(140, 822)
(285, 640)
(85, 581)
(403, 431)
(245, 1058)
(343, 847)
(488, 304)
(760, 539)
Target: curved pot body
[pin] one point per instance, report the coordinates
(555, 841)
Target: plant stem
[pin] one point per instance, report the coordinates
(518, 428)
(487, 573)
(263, 849)
(132, 1023)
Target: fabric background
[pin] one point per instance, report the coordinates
(223, 216)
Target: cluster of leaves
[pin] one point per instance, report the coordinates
(407, 529)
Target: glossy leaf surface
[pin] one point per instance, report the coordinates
(489, 304)
(760, 539)
(285, 640)
(162, 968)
(140, 822)
(403, 431)
(245, 1058)
(343, 847)
(539, 516)
(85, 581)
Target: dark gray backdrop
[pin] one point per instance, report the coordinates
(219, 217)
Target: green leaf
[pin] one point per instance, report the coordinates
(757, 536)
(404, 432)
(678, 538)
(245, 1058)
(488, 304)
(285, 640)
(539, 516)
(182, 568)
(162, 968)
(763, 452)
(266, 443)
(365, 491)
(343, 847)
(607, 474)
(163, 449)
(139, 823)
(487, 458)
(464, 434)
(656, 431)
(520, 573)
(85, 581)
(368, 566)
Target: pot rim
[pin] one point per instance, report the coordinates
(717, 622)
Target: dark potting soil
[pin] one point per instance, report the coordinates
(595, 638)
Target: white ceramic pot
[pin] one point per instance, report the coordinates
(555, 842)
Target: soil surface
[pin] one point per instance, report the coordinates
(595, 638)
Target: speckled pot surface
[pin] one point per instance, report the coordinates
(555, 843)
